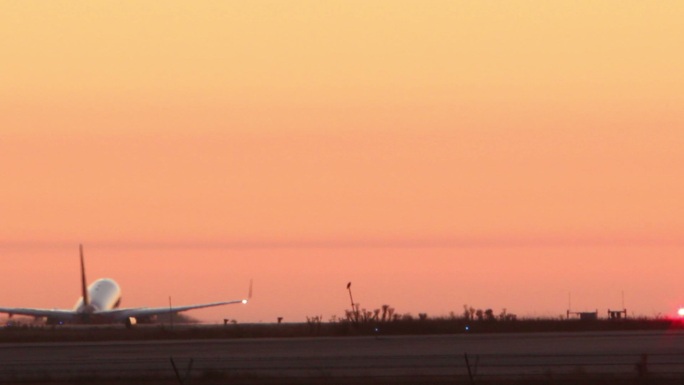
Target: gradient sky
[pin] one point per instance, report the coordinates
(499, 154)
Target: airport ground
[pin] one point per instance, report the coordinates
(31, 332)
(580, 357)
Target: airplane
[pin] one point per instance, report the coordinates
(99, 304)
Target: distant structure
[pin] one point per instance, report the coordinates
(617, 314)
(593, 315)
(583, 315)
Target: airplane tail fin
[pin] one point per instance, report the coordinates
(84, 288)
(249, 295)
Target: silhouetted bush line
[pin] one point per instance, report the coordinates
(413, 326)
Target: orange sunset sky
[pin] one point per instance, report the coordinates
(434, 153)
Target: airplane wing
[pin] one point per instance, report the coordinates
(112, 315)
(56, 314)
(122, 314)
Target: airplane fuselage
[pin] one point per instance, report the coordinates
(103, 294)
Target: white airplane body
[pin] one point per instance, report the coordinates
(100, 304)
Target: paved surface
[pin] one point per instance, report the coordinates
(489, 355)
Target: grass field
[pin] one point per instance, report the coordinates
(65, 333)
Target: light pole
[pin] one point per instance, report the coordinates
(354, 312)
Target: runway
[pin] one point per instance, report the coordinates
(489, 356)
